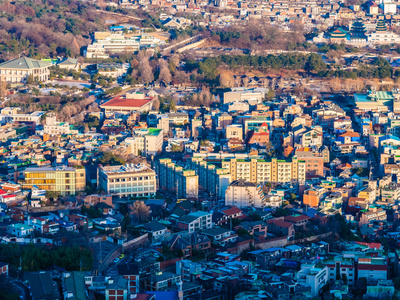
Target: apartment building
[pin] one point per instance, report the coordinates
(21, 69)
(128, 181)
(211, 178)
(260, 170)
(256, 170)
(356, 265)
(372, 214)
(234, 131)
(316, 277)
(242, 193)
(313, 196)
(53, 127)
(146, 141)
(174, 178)
(390, 193)
(66, 180)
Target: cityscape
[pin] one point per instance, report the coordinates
(199, 150)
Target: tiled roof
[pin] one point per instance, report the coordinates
(24, 63)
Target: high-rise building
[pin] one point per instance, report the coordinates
(128, 181)
(216, 179)
(65, 180)
(174, 178)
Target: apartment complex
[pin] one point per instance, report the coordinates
(65, 180)
(127, 181)
(21, 69)
(242, 193)
(175, 178)
(216, 179)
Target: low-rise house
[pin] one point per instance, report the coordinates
(19, 230)
(157, 230)
(220, 235)
(195, 221)
(258, 228)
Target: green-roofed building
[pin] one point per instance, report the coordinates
(23, 69)
(338, 35)
(357, 31)
(381, 26)
(378, 100)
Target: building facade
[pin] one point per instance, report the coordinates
(174, 178)
(128, 180)
(23, 69)
(66, 180)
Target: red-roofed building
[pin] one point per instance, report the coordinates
(298, 221)
(129, 103)
(371, 245)
(279, 226)
(8, 198)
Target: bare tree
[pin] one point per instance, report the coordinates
(165, 74)
(156, 104)
(146, 71)
(226, 80)
(3, 87)
(140, 210)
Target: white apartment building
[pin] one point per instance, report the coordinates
(147, 141)
(196, 221)
(242, 193)
(53, 127)
(128, 180)
(313, 276)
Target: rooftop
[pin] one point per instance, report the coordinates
(24, 63)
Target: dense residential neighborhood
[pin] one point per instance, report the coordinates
(213, 150)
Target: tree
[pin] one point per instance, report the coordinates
(270, 95)
(165, 75)
(7, 290)
(226, 80)
(156, 104)
(3, 87)
(172, 106)
(140, 210)
(30, 80)
(145, 69)
(109, 158)
(52, 194)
